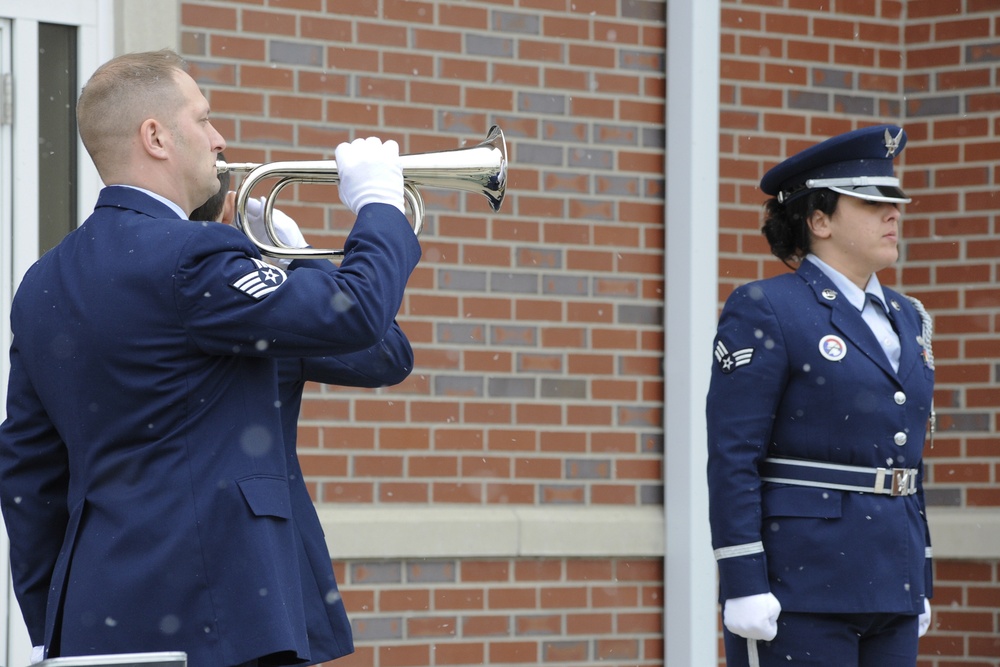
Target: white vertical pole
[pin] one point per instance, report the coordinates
(692, 205)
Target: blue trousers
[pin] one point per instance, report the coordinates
(825, 640)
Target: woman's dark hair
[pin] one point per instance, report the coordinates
(786, 225)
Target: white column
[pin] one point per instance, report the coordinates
(146, 25)
(692, 206)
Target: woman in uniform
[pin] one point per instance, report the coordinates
(819, 403)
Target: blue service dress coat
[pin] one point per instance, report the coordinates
(387, 363)
(799, 374)
(144, 480)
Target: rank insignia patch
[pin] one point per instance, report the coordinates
(730, 361)
(261, 281)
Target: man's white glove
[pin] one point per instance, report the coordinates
(370, 173)
(285, 228)
(753, 616)
(37, 654)
(924, 621)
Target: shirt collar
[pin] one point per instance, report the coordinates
(855, 296)
(177, 209)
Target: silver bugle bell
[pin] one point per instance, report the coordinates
(481, 168)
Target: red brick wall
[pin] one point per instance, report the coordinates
(527, 611)
(967, 602)
(794, 72)
(537, 331)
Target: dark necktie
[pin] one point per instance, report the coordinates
(888, 311)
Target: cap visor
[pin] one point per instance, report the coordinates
(886, 193)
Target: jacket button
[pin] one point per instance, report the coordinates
(899, 397)
(899, 438)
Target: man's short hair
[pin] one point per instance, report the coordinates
(120, 95)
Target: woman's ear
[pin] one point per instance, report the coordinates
(819, 224)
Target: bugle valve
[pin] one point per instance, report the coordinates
(480, 169)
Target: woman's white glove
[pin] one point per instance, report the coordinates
(370, 173)
(37, 654)
(753, 616)
(286, 229)
(924, 621)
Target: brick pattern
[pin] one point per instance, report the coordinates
(966, 630)
(537, 331)
(952, 105)
(794, 72)
(510, 612)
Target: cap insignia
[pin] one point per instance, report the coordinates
(892, 143)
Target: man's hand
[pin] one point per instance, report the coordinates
(37, 654)
(286, 229)
(753, 616)
(370, 173)
(924, 621)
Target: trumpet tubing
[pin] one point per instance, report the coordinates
(479, 169)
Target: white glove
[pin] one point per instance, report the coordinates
(370, 173)
(924, 621)
(37, 654)
(285, 228)
(753, 616)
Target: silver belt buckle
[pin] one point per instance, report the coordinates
(901, 478)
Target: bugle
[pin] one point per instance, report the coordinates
(481, 169)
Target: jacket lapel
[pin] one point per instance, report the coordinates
(911, 352)
(845, 318)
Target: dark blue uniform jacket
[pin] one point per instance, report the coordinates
(387, 363)
(144, 479)
(782, 387)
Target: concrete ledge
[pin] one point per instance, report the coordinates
(965, 533)
(367, 531)
(356, 532)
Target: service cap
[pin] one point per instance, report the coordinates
(856, 163)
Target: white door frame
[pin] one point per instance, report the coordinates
(8, 628)
(19, 190)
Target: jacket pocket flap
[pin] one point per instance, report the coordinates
(802, 501)
(267, 496)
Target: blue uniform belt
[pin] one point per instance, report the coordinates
(800, 472)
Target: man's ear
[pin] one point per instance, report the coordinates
(819, 224)
(229, 208)
(154, 136)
